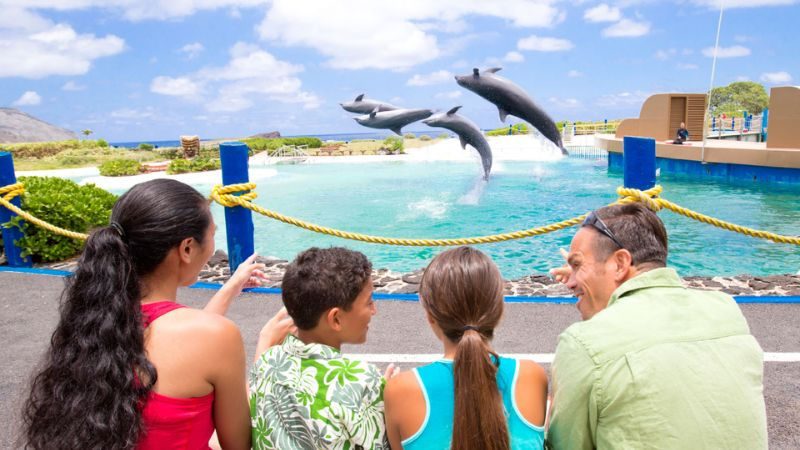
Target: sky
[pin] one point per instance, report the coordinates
(156, 69)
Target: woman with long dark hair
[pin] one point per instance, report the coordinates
(128, 367)
(471, 399)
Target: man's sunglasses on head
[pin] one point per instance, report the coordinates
(594, 221)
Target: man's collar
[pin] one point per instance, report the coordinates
(661, 277)
(296, 347)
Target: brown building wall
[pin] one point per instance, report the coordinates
(784, 117)
(660, 121)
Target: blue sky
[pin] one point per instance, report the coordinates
(156, 69)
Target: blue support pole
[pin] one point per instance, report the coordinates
(13, 234)
(764, 123)
(639, 162)
(238, 220)
(713, 123)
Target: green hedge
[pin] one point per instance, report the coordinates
(44, 149)
(520, 128)
(65, 204)
(192, 165)
(393, 144)
(120, 168)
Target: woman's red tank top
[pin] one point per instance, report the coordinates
(174, 423)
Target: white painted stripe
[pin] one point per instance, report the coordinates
(543, 358)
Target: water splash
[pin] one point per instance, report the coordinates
(474, 195)
(426, 207)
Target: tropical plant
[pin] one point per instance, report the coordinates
(63, 203)
(145, 146)
(87, 132)
(393, 144)
(192, 165)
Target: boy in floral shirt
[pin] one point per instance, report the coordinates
(304, 394)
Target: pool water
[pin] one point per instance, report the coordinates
(448, 199)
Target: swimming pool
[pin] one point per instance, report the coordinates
(447, 199)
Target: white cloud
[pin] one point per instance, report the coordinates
(359, 34)
(574, 73)
(176, 87)
(192, 50)
(438, 77)
(72, 86)
(776, 77)
(666, 55)
(514, 57)
(602, 13)
(252, 74)
(735, 51)
(452, 95)
(133, 114)
(565, 103)
(730, 4)
(622, 99)
(41, 48)
(544, 44)
(29, 98)
(627, 28)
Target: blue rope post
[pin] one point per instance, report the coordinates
(639, 162)
(12, 234)
(238, 220)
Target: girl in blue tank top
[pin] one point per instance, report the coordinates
(470, 399)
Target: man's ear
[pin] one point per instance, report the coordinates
(185, 250)
(332, 317)
(623, 261)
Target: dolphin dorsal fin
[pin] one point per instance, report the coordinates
(494, 70)
(454, 110)
(359, 98)
(476, 72)
(375, 111)
(503, 114)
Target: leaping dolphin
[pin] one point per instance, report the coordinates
(511, 99)
(393, 120)
(361, 106)
(468, 133)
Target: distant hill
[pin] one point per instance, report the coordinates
(268, 135)
(16, 126)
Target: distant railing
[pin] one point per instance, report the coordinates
(586, 152)
(735, 125)
(568, 130)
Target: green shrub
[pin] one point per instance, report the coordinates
(179, 166)
(260, 144)
(444, 135)
(393, 144)
(65, 204)
(424, 137)
(120, 168)
(169, 152)
(192, 165)
(409, 136)
(520, 128)
(145, 146)
(102, 143)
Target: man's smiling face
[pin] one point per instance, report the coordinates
(592, 281)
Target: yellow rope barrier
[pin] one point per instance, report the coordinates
(224, 195)
(13, 190)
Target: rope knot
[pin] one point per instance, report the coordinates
(12, 190)
(225, 195)
(649, 197)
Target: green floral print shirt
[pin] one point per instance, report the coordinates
(308, 396)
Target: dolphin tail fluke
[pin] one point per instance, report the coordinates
(397, 130)
(564, 151)
(503, 114)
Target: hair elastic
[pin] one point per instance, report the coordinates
(470, 327)
(118, 228)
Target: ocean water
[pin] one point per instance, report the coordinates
(421, 198)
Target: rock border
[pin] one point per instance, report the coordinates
(535, 285)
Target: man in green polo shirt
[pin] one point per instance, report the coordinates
(652, 364)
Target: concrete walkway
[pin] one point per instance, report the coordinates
(29, 312)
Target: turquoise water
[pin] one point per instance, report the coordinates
(448, 199)
(443, 199)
